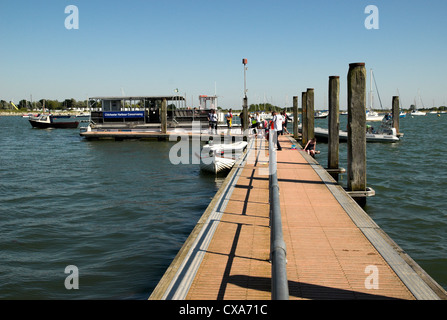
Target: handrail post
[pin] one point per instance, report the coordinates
(280, 288)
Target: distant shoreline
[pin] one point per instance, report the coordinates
(19, 114)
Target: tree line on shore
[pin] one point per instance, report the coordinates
(70, 104)
(48, 103)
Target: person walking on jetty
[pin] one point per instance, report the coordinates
(229, 118)
(277, 128)
(212, 119)
(285, 122)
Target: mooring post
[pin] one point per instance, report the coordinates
(395, 111)
(356, 174)
(303, 118)
(164, 116)
(334, 124)
(310, 113)
(295, 117)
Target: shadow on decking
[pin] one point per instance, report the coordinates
(302, 290)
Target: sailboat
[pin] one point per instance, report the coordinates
(402, 113)
(370, 114)
(415, 111)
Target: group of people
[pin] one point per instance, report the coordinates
(278, 124)
(212, 120)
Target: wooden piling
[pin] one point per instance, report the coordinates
(395, 110)
(310, 113)
(334, 124)
(356, 173)
(304, 119)
(164, 116)
(295, 117)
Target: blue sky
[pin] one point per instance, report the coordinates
(152, 47)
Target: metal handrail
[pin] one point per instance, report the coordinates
(280, 288)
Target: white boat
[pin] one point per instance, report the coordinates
(385, 133)
(224, 148)
(370, 114)
(417, 113)
(321, 114)
(29, 115)
(402, 114)
(216, 158)
(373, 116)
(216, 164)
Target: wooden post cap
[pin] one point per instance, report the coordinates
(357, 64)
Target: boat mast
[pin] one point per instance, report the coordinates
(377, 89)
(400, 102)
(370, 90)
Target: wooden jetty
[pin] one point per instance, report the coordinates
(294, 234)
(334, 249)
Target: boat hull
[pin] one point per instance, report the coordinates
(62, 122)
(323, 134)
(217, 164)
(374, 118)
(221, 157)
(57, 125)
(417, 113)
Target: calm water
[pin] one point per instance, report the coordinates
(120, 212)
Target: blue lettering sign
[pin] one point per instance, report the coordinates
(123, 114)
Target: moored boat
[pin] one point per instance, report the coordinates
(386, 133)
(216, 164)
(373, 116)
(28, 115)
(322, 133)
(221, 157)
(417, 113)
(321, 114)
(236, 148)
(52, 121)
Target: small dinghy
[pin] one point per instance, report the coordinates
(216, 158)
